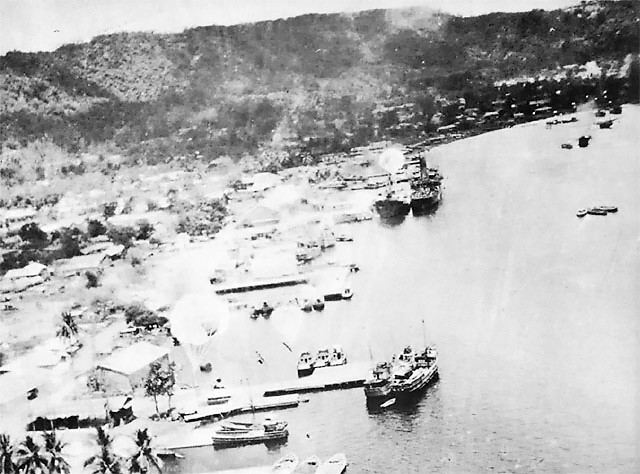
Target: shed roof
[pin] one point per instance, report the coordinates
(133, 358)
(82, 262)
(31, 270)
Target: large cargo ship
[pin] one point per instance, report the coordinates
(395, 202)
(425, 198)
(426, 192)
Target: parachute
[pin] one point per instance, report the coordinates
(195, 319)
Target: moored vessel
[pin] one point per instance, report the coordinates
(286, 464)
(392, 205)
(377, 388)
(338, 356)
(249, 433)
(336, 464)
(412, 372)
(305, 364)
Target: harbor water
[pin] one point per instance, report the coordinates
(534, 312)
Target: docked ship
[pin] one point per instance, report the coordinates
(425, 198)
(412, 372)
(238, 433)
(392, 204)
(377, 389)
(426, 192)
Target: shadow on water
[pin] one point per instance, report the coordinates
(392, 221)
(425, 212)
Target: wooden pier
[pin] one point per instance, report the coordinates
(262, 284)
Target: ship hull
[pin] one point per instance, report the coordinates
(424, 202)
(222, 440)
(392, 208)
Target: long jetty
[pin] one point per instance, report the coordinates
(261, 284)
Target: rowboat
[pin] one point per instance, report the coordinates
(309, 465)
(286, 464)
(334, 465)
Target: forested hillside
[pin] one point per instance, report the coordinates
(282, 84)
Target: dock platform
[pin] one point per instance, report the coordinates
(262, 284)
(326, 378)
(242, 404)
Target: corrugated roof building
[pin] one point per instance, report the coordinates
(125, 370)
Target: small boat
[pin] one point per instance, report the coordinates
(265, 311)
(337, 356)
(218, 400)
(601, 113)
(584, 140)
(344, 238)
(286, 464)
(305, 364)
(168, 453)
(605, 124)
(306, 306)
(581, 212)
(323, 359)
(309, 465)
(318, 305)
(267, 432)
(347, 294)
(596, 211)
(608, 208)
(566, 146)
(336, 464)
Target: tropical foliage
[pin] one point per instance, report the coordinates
(145, 458)
(105, 462)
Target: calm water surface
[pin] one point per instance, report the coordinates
(534, 312)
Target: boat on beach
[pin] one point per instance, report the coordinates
(238, 433)
(336, 464)
(581, 212)
(608, 208)
(318, 305)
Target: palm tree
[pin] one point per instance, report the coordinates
(7, 464)
(30, 459)
(145, 457)
(53, 447)
(106, 462)
(68, 327)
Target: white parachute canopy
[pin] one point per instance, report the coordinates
(391, 160)
(195, 319)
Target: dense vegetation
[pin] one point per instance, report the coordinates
(303, 85)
